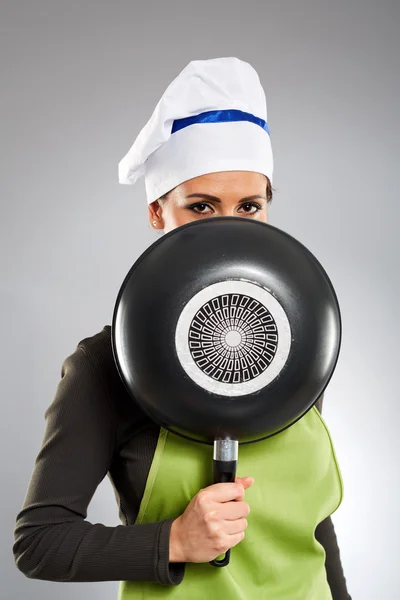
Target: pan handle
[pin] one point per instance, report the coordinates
(225, 465)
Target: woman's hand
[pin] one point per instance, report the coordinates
(211, 523)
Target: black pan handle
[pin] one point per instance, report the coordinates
(225, 465)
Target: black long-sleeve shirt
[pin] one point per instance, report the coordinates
(94, 429)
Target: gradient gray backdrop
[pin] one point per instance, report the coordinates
(79, 79)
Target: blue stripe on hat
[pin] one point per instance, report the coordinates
(219, 116)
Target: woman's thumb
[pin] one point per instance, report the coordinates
(245, 481)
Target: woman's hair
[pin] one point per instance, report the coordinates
(269, 193)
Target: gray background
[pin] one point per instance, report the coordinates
(79, 79)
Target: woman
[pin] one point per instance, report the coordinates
(205, 152)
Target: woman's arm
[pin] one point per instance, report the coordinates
(53, 541)
(325, 534)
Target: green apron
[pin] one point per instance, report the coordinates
(297, 484)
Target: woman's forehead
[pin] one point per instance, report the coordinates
(224, 180)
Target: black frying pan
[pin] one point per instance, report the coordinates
(226, 331)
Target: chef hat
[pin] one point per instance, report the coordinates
(212, 117)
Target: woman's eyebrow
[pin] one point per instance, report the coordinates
(216, 199)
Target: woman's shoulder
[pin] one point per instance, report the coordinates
(93, 357)
(96, 358)
(98, 344)
(97, 350)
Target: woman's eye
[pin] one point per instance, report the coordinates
(202, 208)
(249, 205)
(199, 208)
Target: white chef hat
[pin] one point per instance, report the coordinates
(212, 117)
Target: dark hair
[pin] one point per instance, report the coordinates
(269, 193)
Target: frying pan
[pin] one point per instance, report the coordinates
(226, 331)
